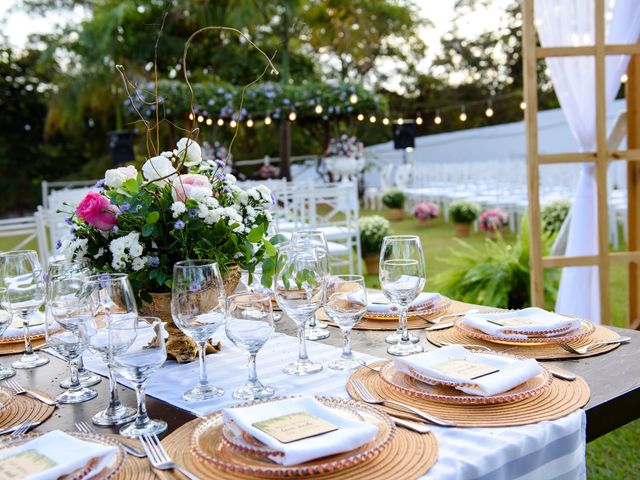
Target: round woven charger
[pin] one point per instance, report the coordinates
(557, 401)
(408, 456)
(539, 352)
(26, 408)
(11, 348)
(139, 468)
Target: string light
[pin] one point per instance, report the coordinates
(360, 117)
(318, 109)
(200, 119)
(220, 122)
(293, 116)
(267, 120)
(353, 98)
(624, 78)
(400, 121)
(233, 124)
(418, 120)
(372, 119)
(523, 105)
(489, 111)
(250, 123)
(209, 122)
(463, 114)
(385, 121)
(191, 116)
(437, 119)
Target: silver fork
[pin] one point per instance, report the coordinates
(159, 458)
(21, 429)
(586, 348)
(19, 389)
(369, 398)
(84, 427)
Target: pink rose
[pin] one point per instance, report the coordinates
(97, 211)
(185, 186)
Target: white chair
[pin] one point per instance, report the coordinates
(19, 227)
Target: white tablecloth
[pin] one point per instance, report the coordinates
(546, 450)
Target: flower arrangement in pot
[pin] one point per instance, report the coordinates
(372, 232)
(492, 221)
(394, 200)
(463, 213)
(425, 212)
(344, 146)
(179, 206)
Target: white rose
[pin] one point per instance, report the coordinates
(189, 152)
(158, 167)
(115, 177)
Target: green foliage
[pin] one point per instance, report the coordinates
(496, 274)
(373, 229)
(462, 211)
(553, 216)
(394, 198)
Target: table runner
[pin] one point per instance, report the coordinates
(549, 450)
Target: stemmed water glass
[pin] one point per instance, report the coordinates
(113, 310)
(315, 239)
(299, 291)
(137, 363)
(5, 322)
(345, 305)
(24, 283)
(65, 313)
(255, 285)
(249, 324)
(402, 278)
(197, 308)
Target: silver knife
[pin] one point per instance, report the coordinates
(440, 326)
(415, 426)
(569, 377)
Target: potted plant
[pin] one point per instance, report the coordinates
(425, 212)
(463, 213)
(493, 221)
(372, 231)
(394, 200)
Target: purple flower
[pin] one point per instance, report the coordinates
(179, 225)
(58, 244)
(220, 163)
(125, 207)
(100, 183)
(115, 229)
(193, 212)
(68, 221)
(194, 286)
(153, 261)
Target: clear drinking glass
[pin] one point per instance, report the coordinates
(145, 355)
(197, 308)
(299, 290)
(249, 324)
(113, 309)
(315, 329)
(24, 283)
(65, 313)
(55, 269)
(255, 285)
(5, 321)
(402, 278)
(345, 305)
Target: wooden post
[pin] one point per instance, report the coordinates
(633, 188)
(285, 148)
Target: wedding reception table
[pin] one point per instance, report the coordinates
(509, 452)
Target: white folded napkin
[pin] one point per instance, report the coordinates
(66, 452)
(16, 330)
(378, 303)
(512, 371)
(533, 320)
(351, 433)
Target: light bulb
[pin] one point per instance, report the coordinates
(209, 122)
(200, 119)
(624, 78)
(191, 116)
(372, 119)
(267, 120)
(400, 121)
(523, 106)
(353, 98)
(293, 116)
(437, 120)
(489, 112)
(220, 122)
(463, 117)
(360, 117)
(318, 109)
(249, 123)
(385, 121)
(419, 121)
(233, 124)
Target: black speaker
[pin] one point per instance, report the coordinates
(404, 136)
(121, 146)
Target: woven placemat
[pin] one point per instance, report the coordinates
(560, 399)
(18, 346)
(26, 408)
(408, 456)
(139, 468)
(539, 352)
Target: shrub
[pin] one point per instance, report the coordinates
(394, 198)
(462, 211)
(372, 232)
(493, 219)
(553, 216)
(425, 210)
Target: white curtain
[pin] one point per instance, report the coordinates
(571, 23)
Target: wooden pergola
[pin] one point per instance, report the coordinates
(601, 157)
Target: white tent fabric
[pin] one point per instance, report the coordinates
(571, 22)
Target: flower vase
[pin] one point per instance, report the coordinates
(395, 214)
(372, 263)
(463, 229)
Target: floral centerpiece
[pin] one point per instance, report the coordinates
(344, 146)
(179, 206)
(373, 229)
(493, 220)
(425, 212)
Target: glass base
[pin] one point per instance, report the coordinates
(120, 415)
(316, 333)
(321, 324)
(395, 337)
(30, 361)
(6, 373)
(302, 367)
(253, 392)
(87, 379)
(151, 427)
(276, 317)
(348, 363)
(403, 349)
(78, 396)
(202, 392)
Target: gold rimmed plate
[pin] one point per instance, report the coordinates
(423, 310)
(245, 455)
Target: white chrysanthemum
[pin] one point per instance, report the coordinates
(265, 193)
(178, 208)
(74, 248)
(199, 194)
(99, 253)
(126, 249)
(231, 178)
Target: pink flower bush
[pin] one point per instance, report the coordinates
(96, 210)
(426, 210)
(493, 219)
(185, 186)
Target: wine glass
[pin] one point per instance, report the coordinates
(197, 308)
(299, 290)
(24, 283)
(65, 312)
(113, 310)
(249, 324)
(5, 321)
(315, 329)
(137, 363)
(345, 306)
(55, 269)
(255, 285)
(402, 278)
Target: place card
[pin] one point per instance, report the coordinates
(463, 368)
(295, 426)
(25, 464)
(514, 321)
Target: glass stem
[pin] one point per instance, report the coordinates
(114, 401)
(302, 351)
(141, 417)
(28, 349)
(74, 383)
(312, 322)
(346, 348)
(80, 364)
(253, 374)
(202, 351)
(404, 325)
